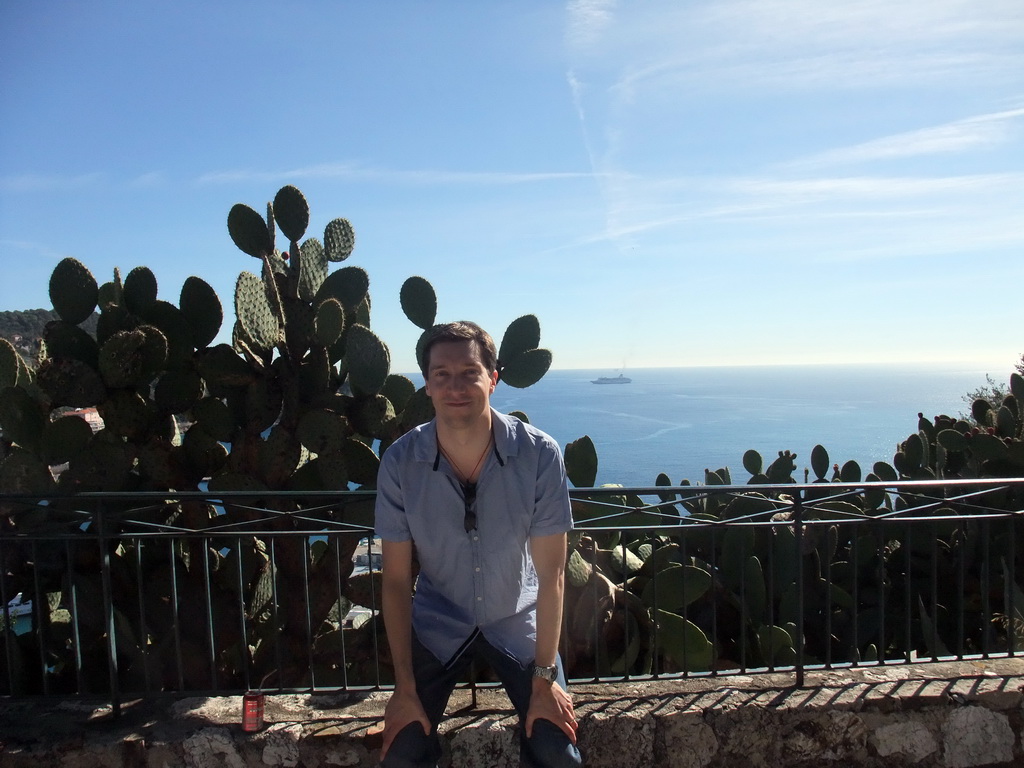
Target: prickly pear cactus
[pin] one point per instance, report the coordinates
(293, 401)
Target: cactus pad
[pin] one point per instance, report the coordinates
(73, 291)
(177, 391)
(70, 383)
(126, 414)
(22, 472)
(362, 463)
(339, 240)
(21, 417)
(215, 418)
(202, 310)
(752, 462)
(322, 431)
(222, 366)
(398, 389)
(329, 322)
(526, 369)
(249, 231)
(65, 341)
(819, 461)
(522, 335)
(368, 359)
(581, 462)
(64, 438)
(348, 285)
(140, 290)
(373, 416)
(419, 302)
(254, 313)
(291, 212)
(418, 410)
(312, 268)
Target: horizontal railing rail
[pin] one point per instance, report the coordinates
(122, 594)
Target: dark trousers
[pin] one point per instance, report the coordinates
(548, 748)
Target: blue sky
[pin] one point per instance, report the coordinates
(661, 183)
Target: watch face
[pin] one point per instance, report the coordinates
(546, 673)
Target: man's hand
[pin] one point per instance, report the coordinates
(549, 701)
(402, 709)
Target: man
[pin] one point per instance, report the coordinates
(483, 498)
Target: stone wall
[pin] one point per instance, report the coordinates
(950, 715)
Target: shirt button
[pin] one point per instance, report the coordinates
(477, 569)
(479, 599)
(476, 538)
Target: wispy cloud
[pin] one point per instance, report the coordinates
(31, 247)
(975, 132)
(587, 21)
(344, 172)
(798, 44)
(148, 180)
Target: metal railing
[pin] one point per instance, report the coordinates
(144, 593)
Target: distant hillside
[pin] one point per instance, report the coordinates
(25, 329)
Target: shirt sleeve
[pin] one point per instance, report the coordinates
(390, 522)
(552, 509)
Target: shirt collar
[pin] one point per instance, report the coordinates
(503, 427)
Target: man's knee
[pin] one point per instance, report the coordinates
(412, 748)
(550, 747)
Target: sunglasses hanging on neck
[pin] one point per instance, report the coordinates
(469, 498)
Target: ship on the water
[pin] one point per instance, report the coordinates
(620, 379)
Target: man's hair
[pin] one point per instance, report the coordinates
(463, 330)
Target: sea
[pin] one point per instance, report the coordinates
(681, 421)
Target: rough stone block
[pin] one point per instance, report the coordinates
(626, 740)
(911, 740)
(974, 736)
(684, 740)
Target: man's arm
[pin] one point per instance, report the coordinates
(404, 706)
(549, 701)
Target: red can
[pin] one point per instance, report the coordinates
(252, 711)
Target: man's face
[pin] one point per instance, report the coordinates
(457, 382)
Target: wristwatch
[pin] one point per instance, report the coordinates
(546, 673)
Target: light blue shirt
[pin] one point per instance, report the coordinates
(482, 580)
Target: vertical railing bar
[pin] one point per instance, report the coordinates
(275, 612)
(714, 601)
(828, 598)
(880, 576)
(934, 575)
(855, 652)
(336, 547)
(1011, 606)
(211, 638)
(370, 538)
(175, 614)
(309, 611)
(655, 673)
(908, 600)
(247, 668)
(143, 628)
(961, 614)
(76, 635)
(38, 625)
(986, 586)
(8, 633)
(108, 609)
(770, 591)
(625, 658)
(798, 525)
(744, 609)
